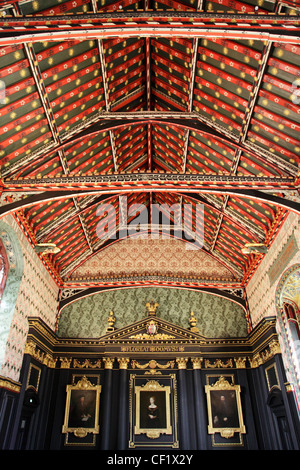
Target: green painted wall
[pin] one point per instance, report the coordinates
(216, 316)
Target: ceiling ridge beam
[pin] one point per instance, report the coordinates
(148, 94)
(193, 74)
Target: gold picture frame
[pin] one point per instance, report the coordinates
(153, 413)
(224, 408)
(34, 376)
(82, 408)
(272, 377)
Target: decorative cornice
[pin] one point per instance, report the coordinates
(42, 357)
(10, 384)
(93, 281)
(261, 346)
(262, 357)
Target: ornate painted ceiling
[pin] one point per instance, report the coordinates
(111, 108)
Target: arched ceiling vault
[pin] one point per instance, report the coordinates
(134, 105)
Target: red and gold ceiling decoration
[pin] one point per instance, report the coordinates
(188, 103)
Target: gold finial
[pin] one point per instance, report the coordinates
(193, 323)
(151, 306)
(111, 320)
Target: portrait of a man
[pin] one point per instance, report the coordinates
(82, 409)
(224, 408)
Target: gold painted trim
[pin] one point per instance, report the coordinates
(138, 441)
(108, 362)
(123, 362)
(182, 362)
(240, 362)
(225, 444)
(196, 361)
(152, 365)
(262, 357)
(44, 358)
(267, 369)
(218, 364)
(32, 366)
(10, 384)
(86, 364)
(65, 362)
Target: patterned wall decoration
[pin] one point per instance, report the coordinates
(10, 294)
(166, 256)
(288, 288)
(37, 297)
(262, 287)
(216, 316)
(291, 289)
(286, 254)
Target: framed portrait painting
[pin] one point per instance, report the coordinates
(224, 409)
(153, 418)
(82, 408)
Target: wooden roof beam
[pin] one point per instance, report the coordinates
(81, 220)
(214, 183)
(256, 87)
(66, 219)
(149, 24)
(190, 100)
